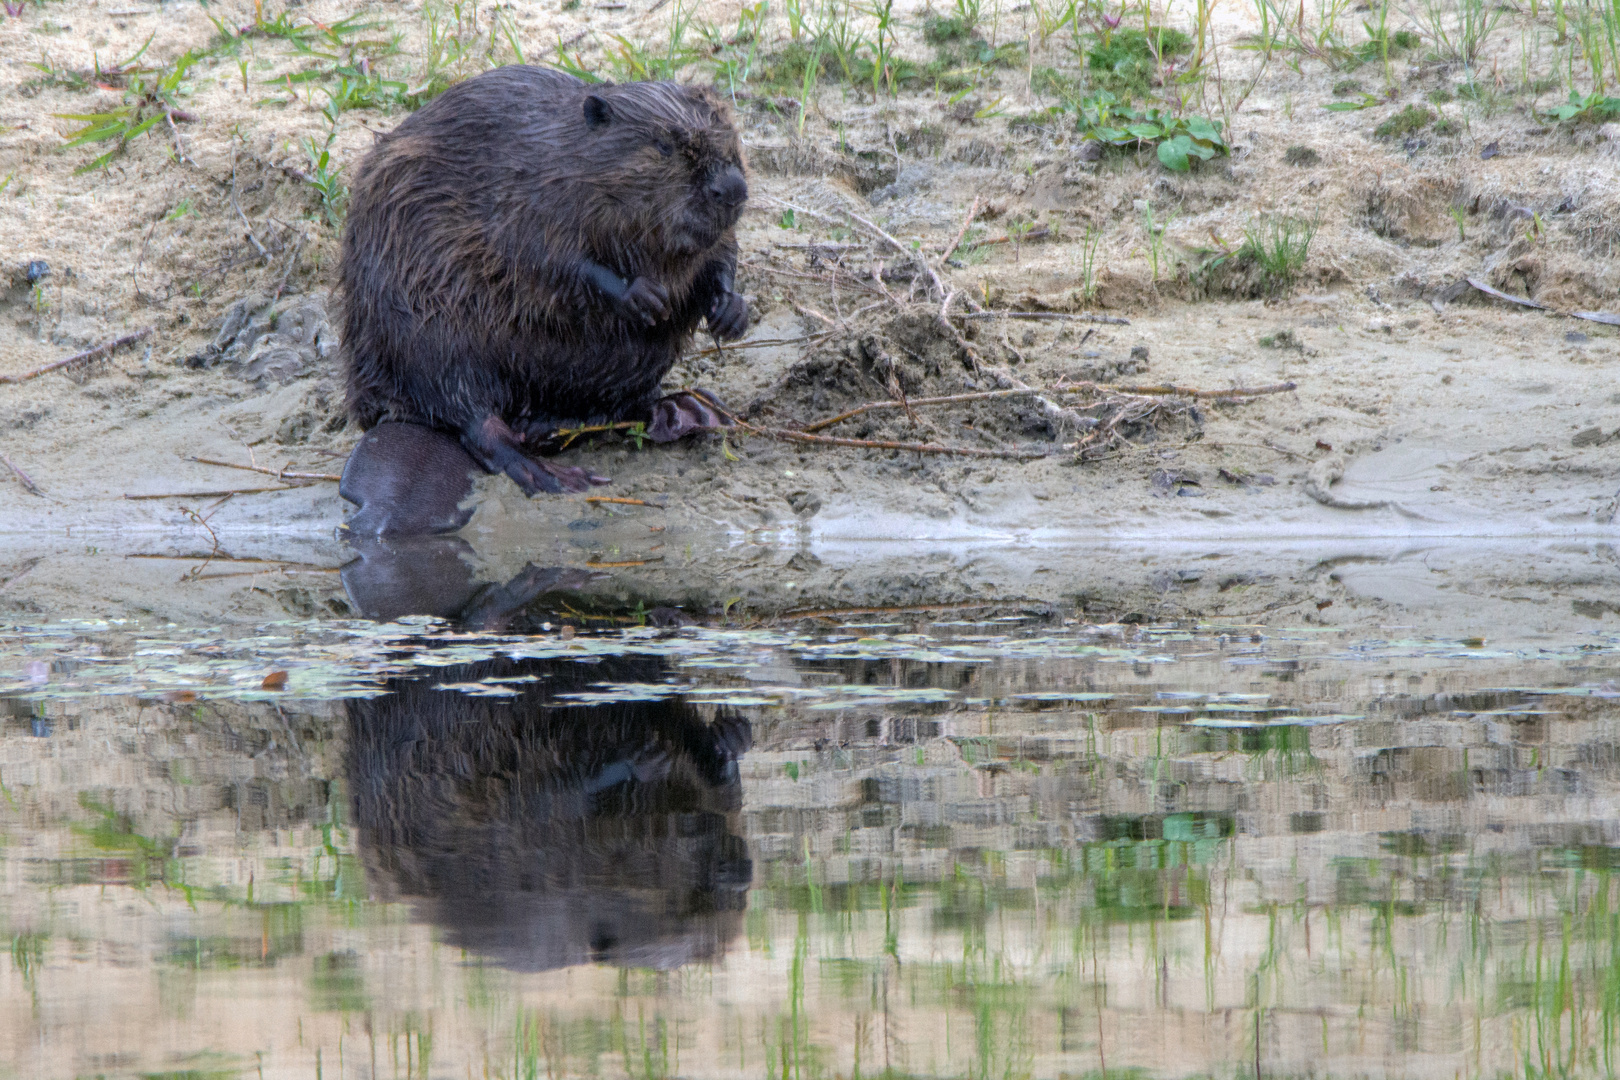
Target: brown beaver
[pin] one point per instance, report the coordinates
(528, 252)
(542, 831)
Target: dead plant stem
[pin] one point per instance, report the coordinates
(279, 474)
(79, 357)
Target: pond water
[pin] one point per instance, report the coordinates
(916, 844)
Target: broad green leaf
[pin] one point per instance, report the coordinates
(1199, 128)
(1173, 153)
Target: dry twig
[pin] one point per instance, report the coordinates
(200, 520)
(22, 478)
(1034, 234)
(917, 403)
(1168, 390)
(80, 357)
(212, 494)
(1050, 316)
(623, 502)
(837, 613)
(279, 474)
(967, 222)
(764, 343)
(884, 444)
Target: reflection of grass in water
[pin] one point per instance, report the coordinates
(555, 1046)
(649, 1055)
(281, 935)
(28, 954)
(411, 1046)
(337, 984)
(148, 856)
(793, 1056)
(28, 960)
(1276, 751)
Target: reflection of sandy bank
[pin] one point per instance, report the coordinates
(543, 834)
(1505, 588)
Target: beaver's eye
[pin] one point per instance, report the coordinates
(663, 147)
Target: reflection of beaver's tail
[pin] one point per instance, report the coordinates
(544, 833)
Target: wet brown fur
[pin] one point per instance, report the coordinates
(477, 235)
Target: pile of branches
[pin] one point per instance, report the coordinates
(1100, 418)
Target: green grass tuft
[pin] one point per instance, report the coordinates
(1412, 119)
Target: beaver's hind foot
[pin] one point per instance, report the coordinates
(684, 412)
(499, 449)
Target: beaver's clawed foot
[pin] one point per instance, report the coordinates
(685, 412)
(499, 449)
(535, 475)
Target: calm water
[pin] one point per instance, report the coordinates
(995, 849)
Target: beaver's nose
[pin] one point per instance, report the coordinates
(728, 187)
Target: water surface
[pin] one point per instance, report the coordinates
(908, 845)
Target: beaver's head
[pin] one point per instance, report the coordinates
(670, 163)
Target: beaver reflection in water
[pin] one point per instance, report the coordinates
(544, 833)
(528, 252)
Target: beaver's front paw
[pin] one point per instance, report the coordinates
(646, 300)
(728, 316)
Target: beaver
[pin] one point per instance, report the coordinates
(540, 830)
(529, 251)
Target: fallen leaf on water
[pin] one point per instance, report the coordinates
(276, 680)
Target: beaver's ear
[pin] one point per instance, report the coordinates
(597, 112)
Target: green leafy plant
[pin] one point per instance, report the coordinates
(1408, 121)
(1459, 214)
(114, 76)
(1125, 60)
(324, 179)
(736, 53)
(633, 62)
(358, 88)
(1279, 249)
(1592, 108)
(1381, 43)
(883, 45)
(1458, 32)
(1283, 28)
(1154, 230)
(1179, 139)
(795, 17)
(1365, 101)
(458, 48)
(151, 96)
(1088, 264)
